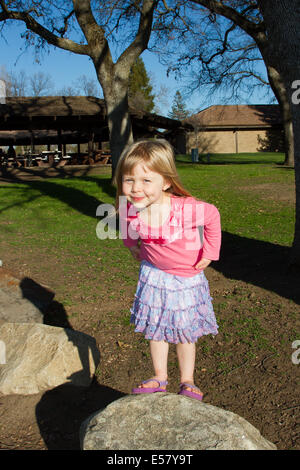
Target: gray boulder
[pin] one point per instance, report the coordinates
(41, 357)
(164, 421)
(22, 300)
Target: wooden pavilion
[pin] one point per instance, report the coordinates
(62, 120)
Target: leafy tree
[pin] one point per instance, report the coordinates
(140, 92)
(178, 110)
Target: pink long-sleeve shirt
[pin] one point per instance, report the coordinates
(191, 232)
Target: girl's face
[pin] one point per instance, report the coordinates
(144, 187)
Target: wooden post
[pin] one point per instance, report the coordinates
(59, 145)
(32, 141)
(91, 145)
(236, 134)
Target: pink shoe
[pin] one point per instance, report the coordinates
(150, 389)
(187, 393)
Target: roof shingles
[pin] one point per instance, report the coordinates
(238, 116)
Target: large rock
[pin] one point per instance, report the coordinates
(22, 300)
(164, 421)
(41, 357)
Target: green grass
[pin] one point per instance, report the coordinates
(63, 211)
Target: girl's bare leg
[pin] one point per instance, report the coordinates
(159, 353)
(186, 353)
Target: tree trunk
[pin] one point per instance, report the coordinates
(114, 80)
(282, 19)
(280, 92)
(114, 77)
(119, 123)
(295, 256)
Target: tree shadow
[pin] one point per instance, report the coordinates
(230, 159)
(259, 263)
(73, 197)
(54, 313)
(61, 411)
(274, 134)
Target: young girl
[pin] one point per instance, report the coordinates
(175, 237)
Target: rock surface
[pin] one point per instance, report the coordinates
(22, 300)
(164, 421)
(41, 357)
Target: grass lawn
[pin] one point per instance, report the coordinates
(48, 232)
(63, 210)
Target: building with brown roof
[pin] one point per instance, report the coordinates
(236, 129)
(62, 120)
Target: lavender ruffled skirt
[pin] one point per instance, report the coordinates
(172, 308)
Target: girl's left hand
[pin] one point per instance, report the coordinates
(203, 263)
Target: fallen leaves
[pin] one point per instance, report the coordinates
(123, 345)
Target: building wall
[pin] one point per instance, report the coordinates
(227, 141)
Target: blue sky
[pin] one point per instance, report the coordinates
(65, 67)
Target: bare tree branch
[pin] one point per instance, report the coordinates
(142, 37)
(40, 30)
(233, 15)
(62, 31)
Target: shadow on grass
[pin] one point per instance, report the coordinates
(230, 162)
(260, 263)
(228, 159)
(73, 197)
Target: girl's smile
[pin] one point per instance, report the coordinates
(137, 199)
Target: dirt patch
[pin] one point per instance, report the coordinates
(258, 383)
(275, 192)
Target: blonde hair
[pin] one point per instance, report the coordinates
(158, 155)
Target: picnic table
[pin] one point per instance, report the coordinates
(103, 157)
(55, 158)
(98, 157)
